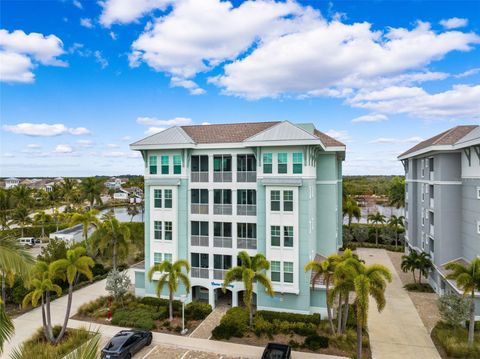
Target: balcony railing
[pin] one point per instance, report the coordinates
(222, 242)
(432, 202)
(246, 209)
(222, 176)
(432, 231)
(246, 176)
(198, 208)
(225, 209)
(199, 241)
(247, 243)
(199, 176)
(432, 175)
(219, 273)
(198, 272)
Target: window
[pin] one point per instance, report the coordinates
(288, 201)
(177, 164)
(275, 200)
(246, 230)
(153, 165)
(168, 198)
(200, 196)
(282, 163)
(275, 236)
(199, 163)
(165, 165)
(222, 229)
(288, 272)
(157, 257)
(157, 198)
(157, 226)
(288, 236)
(246, 163)
(199, 228)
(222, 196)
(168, 231)
(297, 162)
(222, 261)
(222, 163)
(246, 196)
(275, 271)
(199, 260)
(167, 257)
(267, 163)
(430, 164)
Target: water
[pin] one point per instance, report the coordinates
(387, 211)
(122, 215)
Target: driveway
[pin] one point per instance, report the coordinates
(398, 331)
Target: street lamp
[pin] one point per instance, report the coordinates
(183, 299)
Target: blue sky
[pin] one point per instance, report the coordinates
(80, 80)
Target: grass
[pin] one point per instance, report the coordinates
(452, 342)
(39, 348)
(419, 287)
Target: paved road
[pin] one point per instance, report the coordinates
(397, 332)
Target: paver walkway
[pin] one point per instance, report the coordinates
(398, 331)
(204, 330)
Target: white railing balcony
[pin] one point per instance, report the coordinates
(199, 208)
(219, 273)
(222, 209)
(222, 242)
(247, 243)
(432, 175)
(246, 209)
(198, 272)
(199, 176)
(432, 202)
(432, 231)
(199, 241)
(222, 176)
(246, 176)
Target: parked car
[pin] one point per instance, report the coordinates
(26, 241)
(126, 343)
(277, 351)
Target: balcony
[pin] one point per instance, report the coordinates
(222, 177)
(219, 273)
(432, 202)
(432, 231)
(198, 272)
(246, 209)
(199, 241)
(432, 175)
(199, 176)
(222, 242)
(247, 243)
(199, 208)
(222, 209)
(246, 176)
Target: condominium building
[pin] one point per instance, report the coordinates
(442, 197)
(212, 191)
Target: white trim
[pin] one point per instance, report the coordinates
(329, 182)
(434, 182)
(284, 310)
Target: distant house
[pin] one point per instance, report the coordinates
(121, 194)
(11, 182)
(73, 234)
(114, 183)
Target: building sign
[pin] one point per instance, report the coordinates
(216, 284)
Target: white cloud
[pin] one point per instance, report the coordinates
(63, 149)
(100, 59)
(467, 73)
(20, 53)
(454, 23)
(153, 130)
(191, 86)
(44, 130)
(390, 140)
(342, 135)
(153, 121)
(126, 138)
(33, 145)
(85, 143)
(370, 118)
(8, 155)
(78, 4)
(126, 11)
(86, 22)
(113, 35)
(112, 145)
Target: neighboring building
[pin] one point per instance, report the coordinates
(72, 234)
(443, 201)
(212, 191)
(11, 182)
(114, 183)
(120, 194)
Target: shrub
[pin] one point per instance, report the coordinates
(294, 344)
(233, 324)
(160, 314)
(262, 326)
(99, 270)
(197, 310)
(304, 329)
(289, 317)
(315, 342)
(118, 284)
(139, 317)
(91, 307)
(18, 291)
(160, 302)
(419, 287)
(454, 309)
(454, 341)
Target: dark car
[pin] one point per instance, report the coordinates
(126, 343)
(277, 351)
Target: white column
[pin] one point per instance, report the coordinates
(234, 298)
(211, 297)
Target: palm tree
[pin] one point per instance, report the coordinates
(351, 210)
(396, 223)
(367, 281)
(70, 269)
(424, 264)
(41, 218)
(251, 270)
(468, 279)
(113, 238)
(410, 264)
(22, 195)
(132, 211)
(324, 269)
(21, 217)
(6, 205)
(376, 219)
(91, 189)
(171, 275)
(67, 189)
(13, 258)
(86, 219)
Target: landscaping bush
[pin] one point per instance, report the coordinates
(315, 342)
(289, 317)
(419, 287)
(262, 326)
(197, 310)
(454, 341)
(99, 269)
(88, 309)
(454, 309)
(354, 245)
(160, 302)
(139, 317)
(233, 324)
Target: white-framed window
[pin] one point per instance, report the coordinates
(288, 272)
(275, 236)
(168, 231)
(157, 198)
(161, 257)
(167, 257)
(275, 201)
(162, 198)
(288, 236)
(275, 271)
(288, 201)
(157, 230)
(168, 198)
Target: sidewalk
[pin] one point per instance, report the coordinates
(204, 330)
(398, 331)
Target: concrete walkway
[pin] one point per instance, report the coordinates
(398, 331)
(204, 330)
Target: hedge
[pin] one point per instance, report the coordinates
(140, 318)
(233, 324)
(197, 310)
(289, 317)
(315, 342)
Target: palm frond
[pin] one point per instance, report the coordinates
(6, 328)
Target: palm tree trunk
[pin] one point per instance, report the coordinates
(329, 309)
(67, 313)
(396, 237)
(339, 314)
(419, 277)
(4, 291)
(414, 278)
(22, 231)
(114, 257)
(345, 314)
(170, 306)
(376, 235)
(359, 339)
(44, 321)
(471, 325)
(49, 318)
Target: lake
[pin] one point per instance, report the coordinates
(122, 215)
